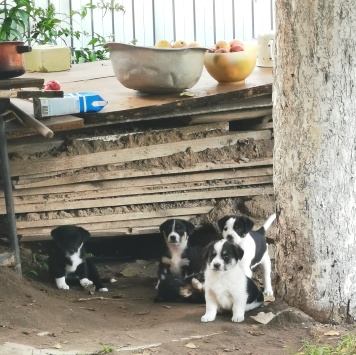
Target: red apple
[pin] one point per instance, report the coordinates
(236, 42)
(52, 85)
(236, 48)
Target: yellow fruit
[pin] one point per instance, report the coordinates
(223, 45)
(179, 44)
(193, 44)
(163, 44)
(221, 60)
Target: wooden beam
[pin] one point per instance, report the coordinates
(127, 173)
(143, 190)
(141, 199)
(167, 213)
(106, 226)
(130, 154)
(231, 116)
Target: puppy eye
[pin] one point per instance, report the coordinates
(225, 229)
(226, 257)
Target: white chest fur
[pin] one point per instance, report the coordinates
(177, 261)
(225, 287)
(76, 260)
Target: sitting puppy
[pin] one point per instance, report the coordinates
(226, 285)
(239, 230)
(179, 257)
(68, 258)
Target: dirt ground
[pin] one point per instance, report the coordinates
(35, 313)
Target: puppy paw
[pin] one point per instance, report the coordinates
(166, 261)
(185, 292)
(63, 287)
(103, 289)
(207, 318)
(197, 284)
(184, 262)
(85, 282)
(237, 319)
(268, 292)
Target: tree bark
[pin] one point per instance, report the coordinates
(315, 157)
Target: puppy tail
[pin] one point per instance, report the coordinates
(267, 224)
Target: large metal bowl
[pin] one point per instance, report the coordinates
(156, 70)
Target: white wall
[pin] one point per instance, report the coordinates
(147, 21)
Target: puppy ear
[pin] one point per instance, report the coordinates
(206, 252)
(163, 226)
(222, 222)
(248, 224)
(84, 233)
(55, 233)
(239, 251)
(190, 227)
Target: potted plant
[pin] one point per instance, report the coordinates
(23, 21)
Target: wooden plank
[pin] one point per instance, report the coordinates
(105, 226)
(32, 145)
(140, 200)
(18, 83)
(127, 173)
(141, 190)
(231, 116)
(27, 94)
(119, 232)
(115, 217)
(58, 123)
(131, 154)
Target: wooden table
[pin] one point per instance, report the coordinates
(129, 105)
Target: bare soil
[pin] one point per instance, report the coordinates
(35, 313)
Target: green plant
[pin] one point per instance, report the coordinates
(108, 349)
(16, 19)
(346, 346)
(24, 21)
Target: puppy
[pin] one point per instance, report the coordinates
(239, 230)
(68, 258)
(172, 289)
(179, 258)
(226, 285)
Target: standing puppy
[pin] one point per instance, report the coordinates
(238, 229)
(226, 285)
(68, 258)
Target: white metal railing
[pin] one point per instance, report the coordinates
(146, 21)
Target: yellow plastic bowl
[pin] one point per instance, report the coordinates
(233, 66)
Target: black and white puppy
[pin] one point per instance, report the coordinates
(173, 289)
(238, 229)
(68, 258)
(181, 258)
(226, 285)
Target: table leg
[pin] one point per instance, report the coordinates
(10, 210)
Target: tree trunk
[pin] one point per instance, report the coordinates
(315, 157)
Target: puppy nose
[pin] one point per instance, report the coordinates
(216, 265)
(229, 238)
(172, 238)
